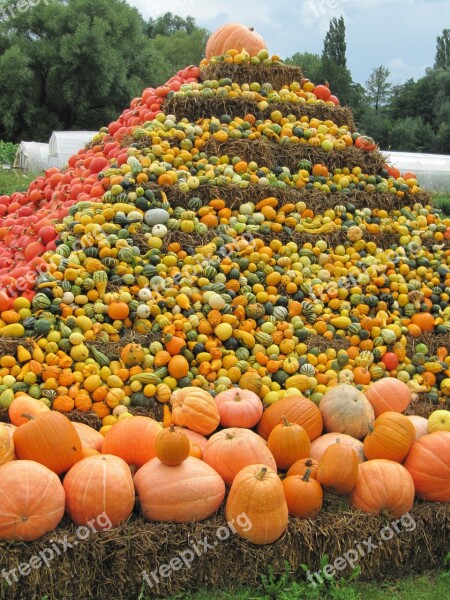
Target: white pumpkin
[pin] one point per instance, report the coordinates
(159, 231)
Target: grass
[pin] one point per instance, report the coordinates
(430, 587)
(13, 180)
(442, 201)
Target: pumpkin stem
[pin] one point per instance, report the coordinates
(251, 28)
(285, 421)
(308, 462)
(261, 474)
(371, 428)
(229, 436)
(238, 397)
(306, 475)
(27, 416)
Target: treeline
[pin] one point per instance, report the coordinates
(76, 64)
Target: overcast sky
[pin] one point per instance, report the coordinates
(399, 34)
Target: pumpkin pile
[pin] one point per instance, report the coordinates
(264, 244)
(287, 467)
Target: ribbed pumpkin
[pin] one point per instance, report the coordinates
(390, 437)
(133, 440)
(89, 436)
(296, 409)
(25, 405)
(337, 470)
(346, 410)
(319, 445)
(32, 501)
(258, 493)
(6, 445)
(230, 450)
(234, 36)
(172, 446)
(196, 409)
(383, 486)
(388, 394)
(288, 443)
(191, 491)
(428, 462)
(98, 485)
(239, 408)
(49, 439)
(301, 466)
(304, 495)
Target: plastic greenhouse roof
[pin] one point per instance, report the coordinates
(32, 156)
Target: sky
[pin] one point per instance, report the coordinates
(399, 34)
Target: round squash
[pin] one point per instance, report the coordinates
(195, 409)
(296, 409)
(257, 493)
(189, 492)
(388, 394)
(99, 485)
(428, 462)
(319, 445)
(346, 410)
(230, 450)
(234, 36)
(32, 501)
(383, 486)
(6, 445)
(239, 408)
(89, 436)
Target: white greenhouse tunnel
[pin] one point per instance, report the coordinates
(432, 170)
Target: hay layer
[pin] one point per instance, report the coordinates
(202, 108)
(316, 200)
(276, 75)
(110, 564)
(271, 154)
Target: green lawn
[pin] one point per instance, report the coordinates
(13, 180)
(442, 201)
(431, 587)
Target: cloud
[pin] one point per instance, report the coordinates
(401, 71)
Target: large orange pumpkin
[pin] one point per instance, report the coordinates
(239, 408)
(230, 450)
(304, 495)
(196, 409)
(133, 440)
(383, 486)
(49, 439)
(288, 443)
(25, 405)
(338, 469)
(99, 485)
(319, 445)
(89, 436)
(428, 462)
(345, 409)
(296, 409)
(388, 394)
(191, 491)
(6, 445)
(32, 501)
(257, 493)
(391, 437)
(234, 36)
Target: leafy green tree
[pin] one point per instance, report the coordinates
(168, 24)
(180, 49)
(334, 45)
(378, 88)
(310, 63)
(72, 64)
(442, 60)
(412, 134)
(334, 61)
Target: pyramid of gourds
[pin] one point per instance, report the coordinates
(232, 234)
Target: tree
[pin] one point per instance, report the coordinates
(311, 65)
(72, 64)
(168, 24)
(180, 49)
(334, 46)
(334, 61)
(378, 88)
(442, 60)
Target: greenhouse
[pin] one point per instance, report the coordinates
(432, 170)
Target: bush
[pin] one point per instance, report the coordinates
(7, 153)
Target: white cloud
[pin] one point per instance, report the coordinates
(401, 71)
